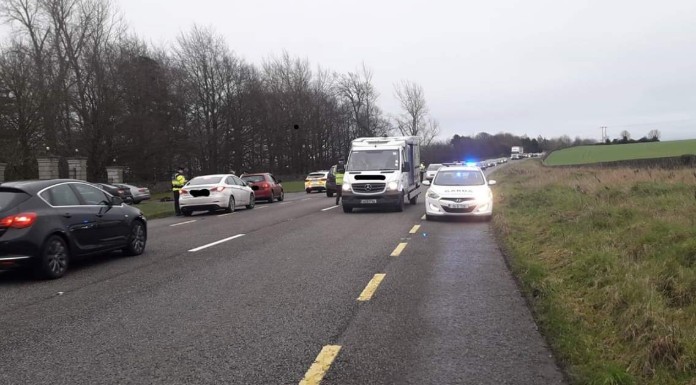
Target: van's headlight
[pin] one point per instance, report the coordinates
(432, 194)
(346, 187)
(393, 185)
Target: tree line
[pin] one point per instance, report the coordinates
(75, 82)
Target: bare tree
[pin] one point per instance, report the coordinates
(412, 99)
(654, 135)
(357, 90)
(625, 135)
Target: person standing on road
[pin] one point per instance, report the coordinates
(340, 170)
(422, 171)
(178, 181)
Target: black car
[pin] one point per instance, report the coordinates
(45, 224)
(124, 193)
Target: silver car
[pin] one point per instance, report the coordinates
(431, 171)
(215, 192)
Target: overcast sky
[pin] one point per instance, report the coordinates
(534, 67)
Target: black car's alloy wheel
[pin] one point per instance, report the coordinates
(54, 258)
(136, 239)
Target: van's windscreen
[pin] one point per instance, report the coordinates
(373, 160)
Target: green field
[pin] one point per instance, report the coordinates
(607, 259)
(620, 152)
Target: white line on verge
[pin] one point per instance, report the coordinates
(216, 243)
(329, 208)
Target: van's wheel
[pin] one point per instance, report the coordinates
(54, 258)
(230, 205)
(400, 205)
(252, 202)
(413, 201)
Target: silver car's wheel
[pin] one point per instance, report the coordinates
(252, 202)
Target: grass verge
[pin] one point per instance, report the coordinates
(620, 152)
(607, 259)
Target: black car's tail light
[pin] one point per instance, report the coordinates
(19, 221)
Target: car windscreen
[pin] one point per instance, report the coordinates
(253, 178)
(373, 160)
(434, 167)
(11, 198)
(201, 180)
(459, 178)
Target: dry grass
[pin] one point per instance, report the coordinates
(608, 257)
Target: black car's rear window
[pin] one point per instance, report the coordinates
(11, 198)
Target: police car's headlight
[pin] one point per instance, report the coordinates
(346, 187)
(393, 185)
(432, 194)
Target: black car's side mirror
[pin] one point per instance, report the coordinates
(116, 201)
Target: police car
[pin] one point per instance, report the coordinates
(459, 190)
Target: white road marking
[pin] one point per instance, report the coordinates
(216, 243)
(329, 208)
(224, 215)
(182, 223)
(304, 199)
(262, 207)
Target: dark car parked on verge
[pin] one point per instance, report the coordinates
(45, 224)
(121, 192)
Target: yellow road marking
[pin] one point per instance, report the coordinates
(414, 229)
(371, 287)
(321, 365)
(399, 249)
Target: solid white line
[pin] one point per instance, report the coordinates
(262, 207)
(182, 223)
(306, 199)
(216, 243)
(224, 215)
(329, 208)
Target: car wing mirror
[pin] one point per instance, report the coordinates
(116, 201)
(426, 183)
(491, 182)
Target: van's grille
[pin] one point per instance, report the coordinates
(368, 187)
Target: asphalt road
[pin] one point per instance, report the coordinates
(259, 307)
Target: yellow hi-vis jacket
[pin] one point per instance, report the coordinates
(178, 181)
(339, 177)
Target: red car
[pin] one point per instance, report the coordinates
(265, 186)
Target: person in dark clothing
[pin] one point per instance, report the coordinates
(178, 181)
(340, 171)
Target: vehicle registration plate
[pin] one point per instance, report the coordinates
(367, 201)
(459, 205)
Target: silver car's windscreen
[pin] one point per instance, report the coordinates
(373, 160)
(459, 178)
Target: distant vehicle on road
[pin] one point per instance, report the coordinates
(45, 224)
(215, 192)
(516, 152)
(459, 190)
(265, 186)
(431, 171)
(316, 181)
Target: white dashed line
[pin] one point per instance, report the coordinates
(216, 243)
(329, 208)
(182, 223)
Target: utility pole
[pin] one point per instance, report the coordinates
(604, 133)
